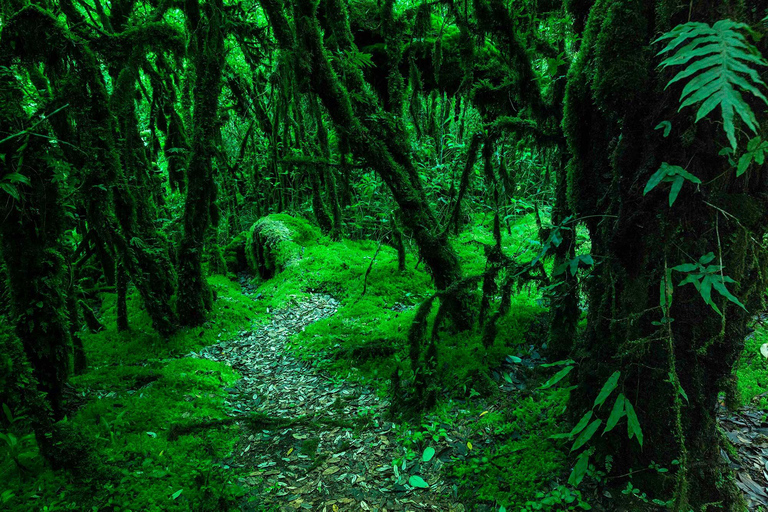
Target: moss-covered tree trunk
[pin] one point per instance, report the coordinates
(30, 236)
(30, 248)
(208, 41)
(615, 98)
(373, 134)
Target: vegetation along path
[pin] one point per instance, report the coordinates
(311, 439)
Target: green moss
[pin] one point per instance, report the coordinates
(513, 471)
(232, 312)
(234, 254)
(752, 371)
(367, 336)
(134, 392)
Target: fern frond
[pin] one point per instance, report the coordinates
(720, 64)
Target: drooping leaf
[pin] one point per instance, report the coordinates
(583, 422)
(556, 377)
(616, 414)
(633, 424)
(579, 469)
(608, 388)
(586, 435)
(8, 415)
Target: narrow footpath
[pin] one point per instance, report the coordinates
(323, 445)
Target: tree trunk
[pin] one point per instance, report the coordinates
(121, 285)
(194, 294)
(382, 145)
(615, 98)
(30, 247)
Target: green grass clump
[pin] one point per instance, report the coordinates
(136, 389)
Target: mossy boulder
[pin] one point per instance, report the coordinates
(277, 241)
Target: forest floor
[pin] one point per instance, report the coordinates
(281, 402)
(321, 443)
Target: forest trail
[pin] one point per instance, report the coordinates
(323, 445)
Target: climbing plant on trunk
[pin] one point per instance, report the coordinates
(674, 352)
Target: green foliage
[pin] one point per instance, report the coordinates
(752, 371)
(756, 149)
(705, 278)
(522, 464)
(561, 498)
(720, 64)
(670, 174)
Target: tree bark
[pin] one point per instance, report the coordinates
(614, 99)
(194, 294)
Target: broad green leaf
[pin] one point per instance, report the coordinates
(557, 377)
(579, 469)
(608, 388)
(11, 190)
(616, 413)
(633, 424)
(15, 177)
(685, 267)
(655, 179)
(417, 481)
(583, 422)
(675, 190)
(586, 435)
(8, 414)
(722, 290)
(429, 452)
(744, 162)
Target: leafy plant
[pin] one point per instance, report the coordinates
(9, 183)
(706, 277)
(674, 174)
(719, 65)
(756, 149)
(21, 450)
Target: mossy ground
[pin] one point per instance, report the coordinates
(752, 371)
(138, 384)
(136, 387)
(366, 338)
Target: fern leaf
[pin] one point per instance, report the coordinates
(719, 66)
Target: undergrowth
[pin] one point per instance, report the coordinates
(366, 338)
(135, 388)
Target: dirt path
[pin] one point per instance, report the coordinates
(335, 453)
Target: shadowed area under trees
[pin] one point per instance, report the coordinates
(491, 255)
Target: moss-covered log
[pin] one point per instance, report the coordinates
(275, 242)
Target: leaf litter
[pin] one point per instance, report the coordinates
(325, 447)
